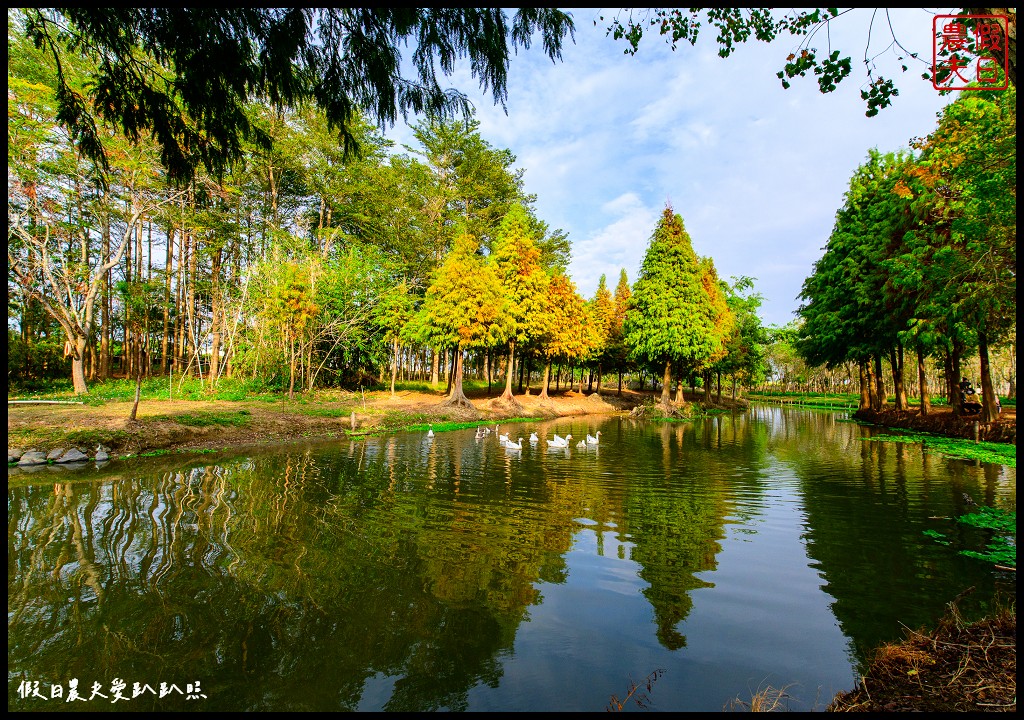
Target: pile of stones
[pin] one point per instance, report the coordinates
(68, 457)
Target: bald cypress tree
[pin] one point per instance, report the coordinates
(602, 307)
(668, 320)
(464, 307)
(618, 349)
(516, 262)
(720, 321)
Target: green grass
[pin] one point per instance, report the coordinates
(851, 400)
(827, 401)
(395, 421)
(444, 426)
(155, 388)
(1000, 453)
(233, 418)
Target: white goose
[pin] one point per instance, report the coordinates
(534, 439)
(509, 445)
(503, 439)
(430, 431)
(560, 442)
(593, 439)
(581, 444)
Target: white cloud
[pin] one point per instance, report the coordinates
(618, 245)
(757, 172)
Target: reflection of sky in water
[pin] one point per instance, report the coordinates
(400, 573)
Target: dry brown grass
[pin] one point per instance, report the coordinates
(957, 667)
(769, 699)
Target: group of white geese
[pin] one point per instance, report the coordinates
(557, 443)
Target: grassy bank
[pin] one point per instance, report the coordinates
(190, 416)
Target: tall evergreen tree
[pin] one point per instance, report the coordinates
(668, 320)
(618, 350)
(569, 333)
(969, 167)
(746, 357)
(516, 262)
(602, 310)
(720, 321)
(464, 307)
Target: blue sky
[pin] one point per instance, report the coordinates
(757, 172)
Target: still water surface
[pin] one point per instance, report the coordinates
(771, 548)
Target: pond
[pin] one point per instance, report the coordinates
(775, 547)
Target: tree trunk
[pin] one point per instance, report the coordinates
(599, 374)
(165, 342)
(719, 398)
(456, 396)
(620, 384)
(507, 395)
(680, 395)
(947, 367)
(433, 368)
(922, 381)
(880, 396)
(138, 394)
(76, 348)
(954, 378)
(291, 374)
(216, 312)
(867, 385)
(190, 301)
(734, 387)
(106, 308)
(896, 361)
(128, 346)
(666, 387)
(990, 405)
(707, 386)
(523, 362)
(488, 364)
(451, 371)
(394, 368)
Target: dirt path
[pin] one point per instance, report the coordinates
(199, 425)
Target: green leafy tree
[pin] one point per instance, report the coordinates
(54, 257)
(469, 184)
(569, 335)
(968, 168)
(618, 350)
(392, 314)
(746, 358)
(602, 310)
(184, 75)
(516, 260)
(464, 308)
(851, 312)
(721, 323)
(668, 320)
(292, 309)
